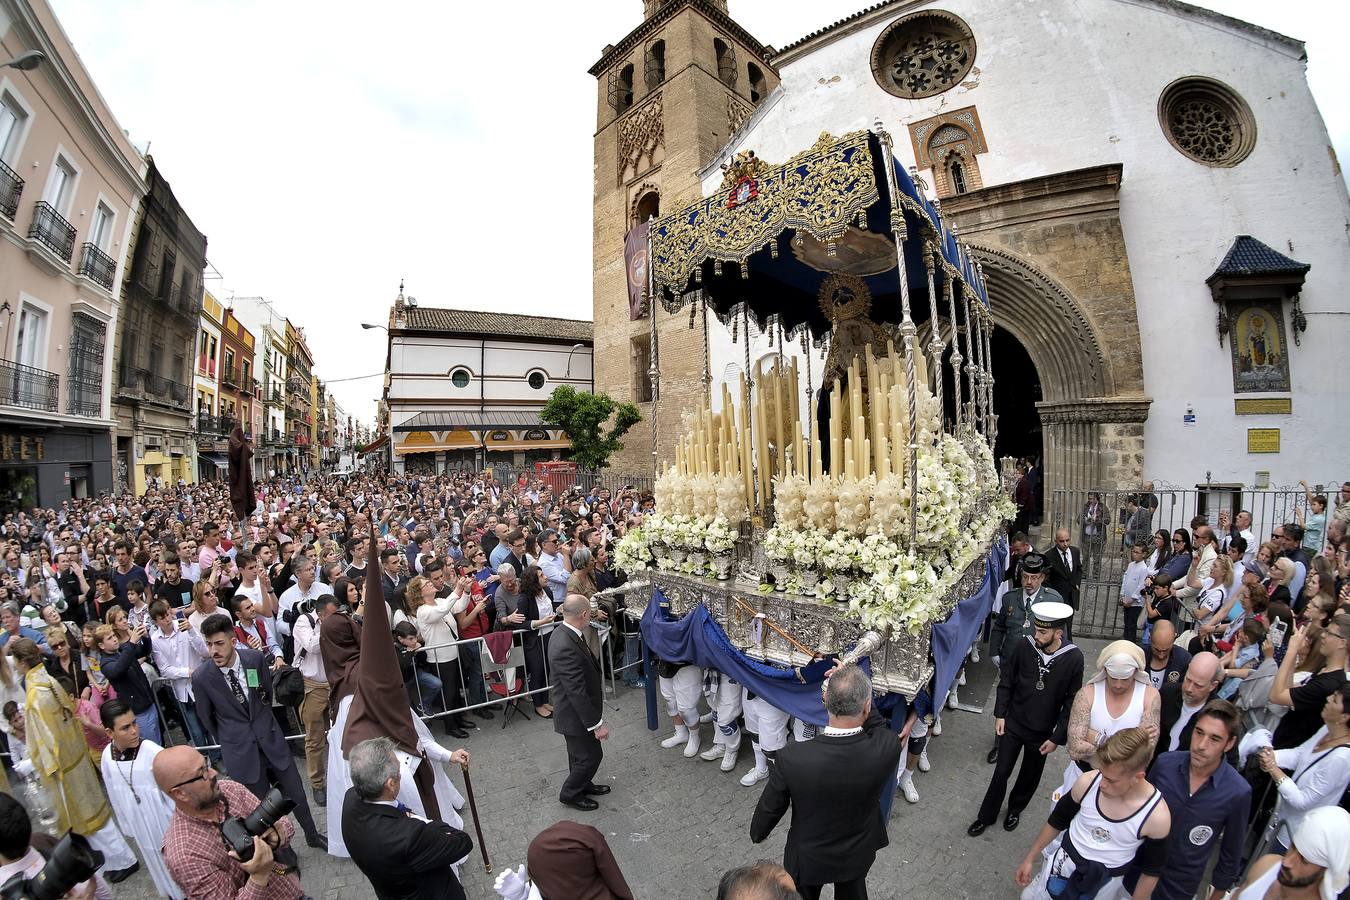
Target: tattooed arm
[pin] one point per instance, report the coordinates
(1082, 739)
(1152, 718)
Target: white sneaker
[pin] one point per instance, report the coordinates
(695, 741)
(674, 740)
(707, 717)
(713, 752)
(754, 777)
(924, 764)
(974, 654)
(961, 679)
(951, 699)
(729, 760)
(936, 730)
(907, 786)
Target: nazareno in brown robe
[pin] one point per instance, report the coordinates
(242, 498)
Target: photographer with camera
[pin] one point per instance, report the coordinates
(68, 869)
(209, 812)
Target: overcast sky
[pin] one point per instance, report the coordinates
(327, 156)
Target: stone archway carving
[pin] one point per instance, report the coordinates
(1093, 435)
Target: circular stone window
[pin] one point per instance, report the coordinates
(536, 380)
(1207, 121)
(923, 54)
(460, 378)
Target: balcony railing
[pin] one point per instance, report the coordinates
(277, 396)
(97, 265)
(141, 383)
(214, 426)
(52, 231)
(11, 188)
(229, 377)
(28, 387)
(84, 397)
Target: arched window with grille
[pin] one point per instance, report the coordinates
(956, 175)
(621, 88)
(655, 64)
(758, 86)
(726, 62)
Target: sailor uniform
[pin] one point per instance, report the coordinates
(1035, 695)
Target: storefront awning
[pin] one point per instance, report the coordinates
(373, 445)
(219, 460)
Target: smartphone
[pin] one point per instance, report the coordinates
(178, 614)
(1277, 632)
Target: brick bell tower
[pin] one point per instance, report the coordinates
(669, 97)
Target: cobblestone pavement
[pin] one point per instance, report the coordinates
(675, 824)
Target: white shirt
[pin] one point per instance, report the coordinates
(307, 642)
(177, 656)
(556, 573)
(1132, 582)
(1187, 712)
(294, 595)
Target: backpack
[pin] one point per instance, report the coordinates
(288, 686)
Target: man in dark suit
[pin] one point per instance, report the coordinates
(578, 713)
(233, 697)
(1065, 576)
(1181, 701)
(834, 784)
(404, 856)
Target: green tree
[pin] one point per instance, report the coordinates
(583, 416)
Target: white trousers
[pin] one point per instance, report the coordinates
(767, 721)
(681, 693)
(725, 701)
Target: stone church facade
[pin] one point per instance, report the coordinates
(1149, 187)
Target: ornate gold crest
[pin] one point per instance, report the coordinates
(743, 165)
(844, 297)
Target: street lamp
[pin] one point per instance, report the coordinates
(26, 61)
(367, 326)
(575, 348)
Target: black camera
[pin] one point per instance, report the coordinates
(238, 832)
(72, 861)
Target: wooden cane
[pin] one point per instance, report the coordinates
(477, 825)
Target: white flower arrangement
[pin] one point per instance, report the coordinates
(632, 552)
(789, 501)
(819, 503)
(731, 499)
(720, 537)
(853, 511)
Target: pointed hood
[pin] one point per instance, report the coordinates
(379, 703)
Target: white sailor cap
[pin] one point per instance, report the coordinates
(1049, 613)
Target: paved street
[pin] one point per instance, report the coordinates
(675, 825)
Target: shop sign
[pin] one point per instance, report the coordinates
(1273, 406)
(21, 447)
(499, 436)
(536, 434)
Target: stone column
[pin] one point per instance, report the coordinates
(1096, 443)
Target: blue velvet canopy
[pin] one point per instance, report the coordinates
(771, 236)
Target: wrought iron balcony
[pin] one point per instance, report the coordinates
(97, 266)
(229, 377)
(84, 397)
(11, 188)
(28, 387)
(214, 426)
(277, 396)
(51, 230)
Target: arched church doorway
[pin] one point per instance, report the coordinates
(1017, 390)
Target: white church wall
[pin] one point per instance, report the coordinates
(1063, 86)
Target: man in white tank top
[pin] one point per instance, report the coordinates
(1119, 696)
(1110, 818)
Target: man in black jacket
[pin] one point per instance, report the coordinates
(578, 713)
(1065, 575)
(1181, 701)
(834, 784)
(404, 856)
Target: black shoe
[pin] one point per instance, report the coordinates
(317, 841)
(484, 713)
(993, 756)
(455, 731)
(1011, 821)
(465, 722)
(320, 797)
(119, 875)
(596, 790)
(976, 828)
(585, 804)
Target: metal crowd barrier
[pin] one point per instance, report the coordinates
(610, 672)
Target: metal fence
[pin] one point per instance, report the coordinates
(1106, 553)
(584, 481)
(510, 685)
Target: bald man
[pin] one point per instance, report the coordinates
(578, 711)
(1167, 663)
(1183, 699)
(193, 851)
(1065, 573)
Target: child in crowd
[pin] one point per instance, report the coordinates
(423, 688)
(1158, 603)
(139, 615)
(1131, 590)
(1244, 659)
